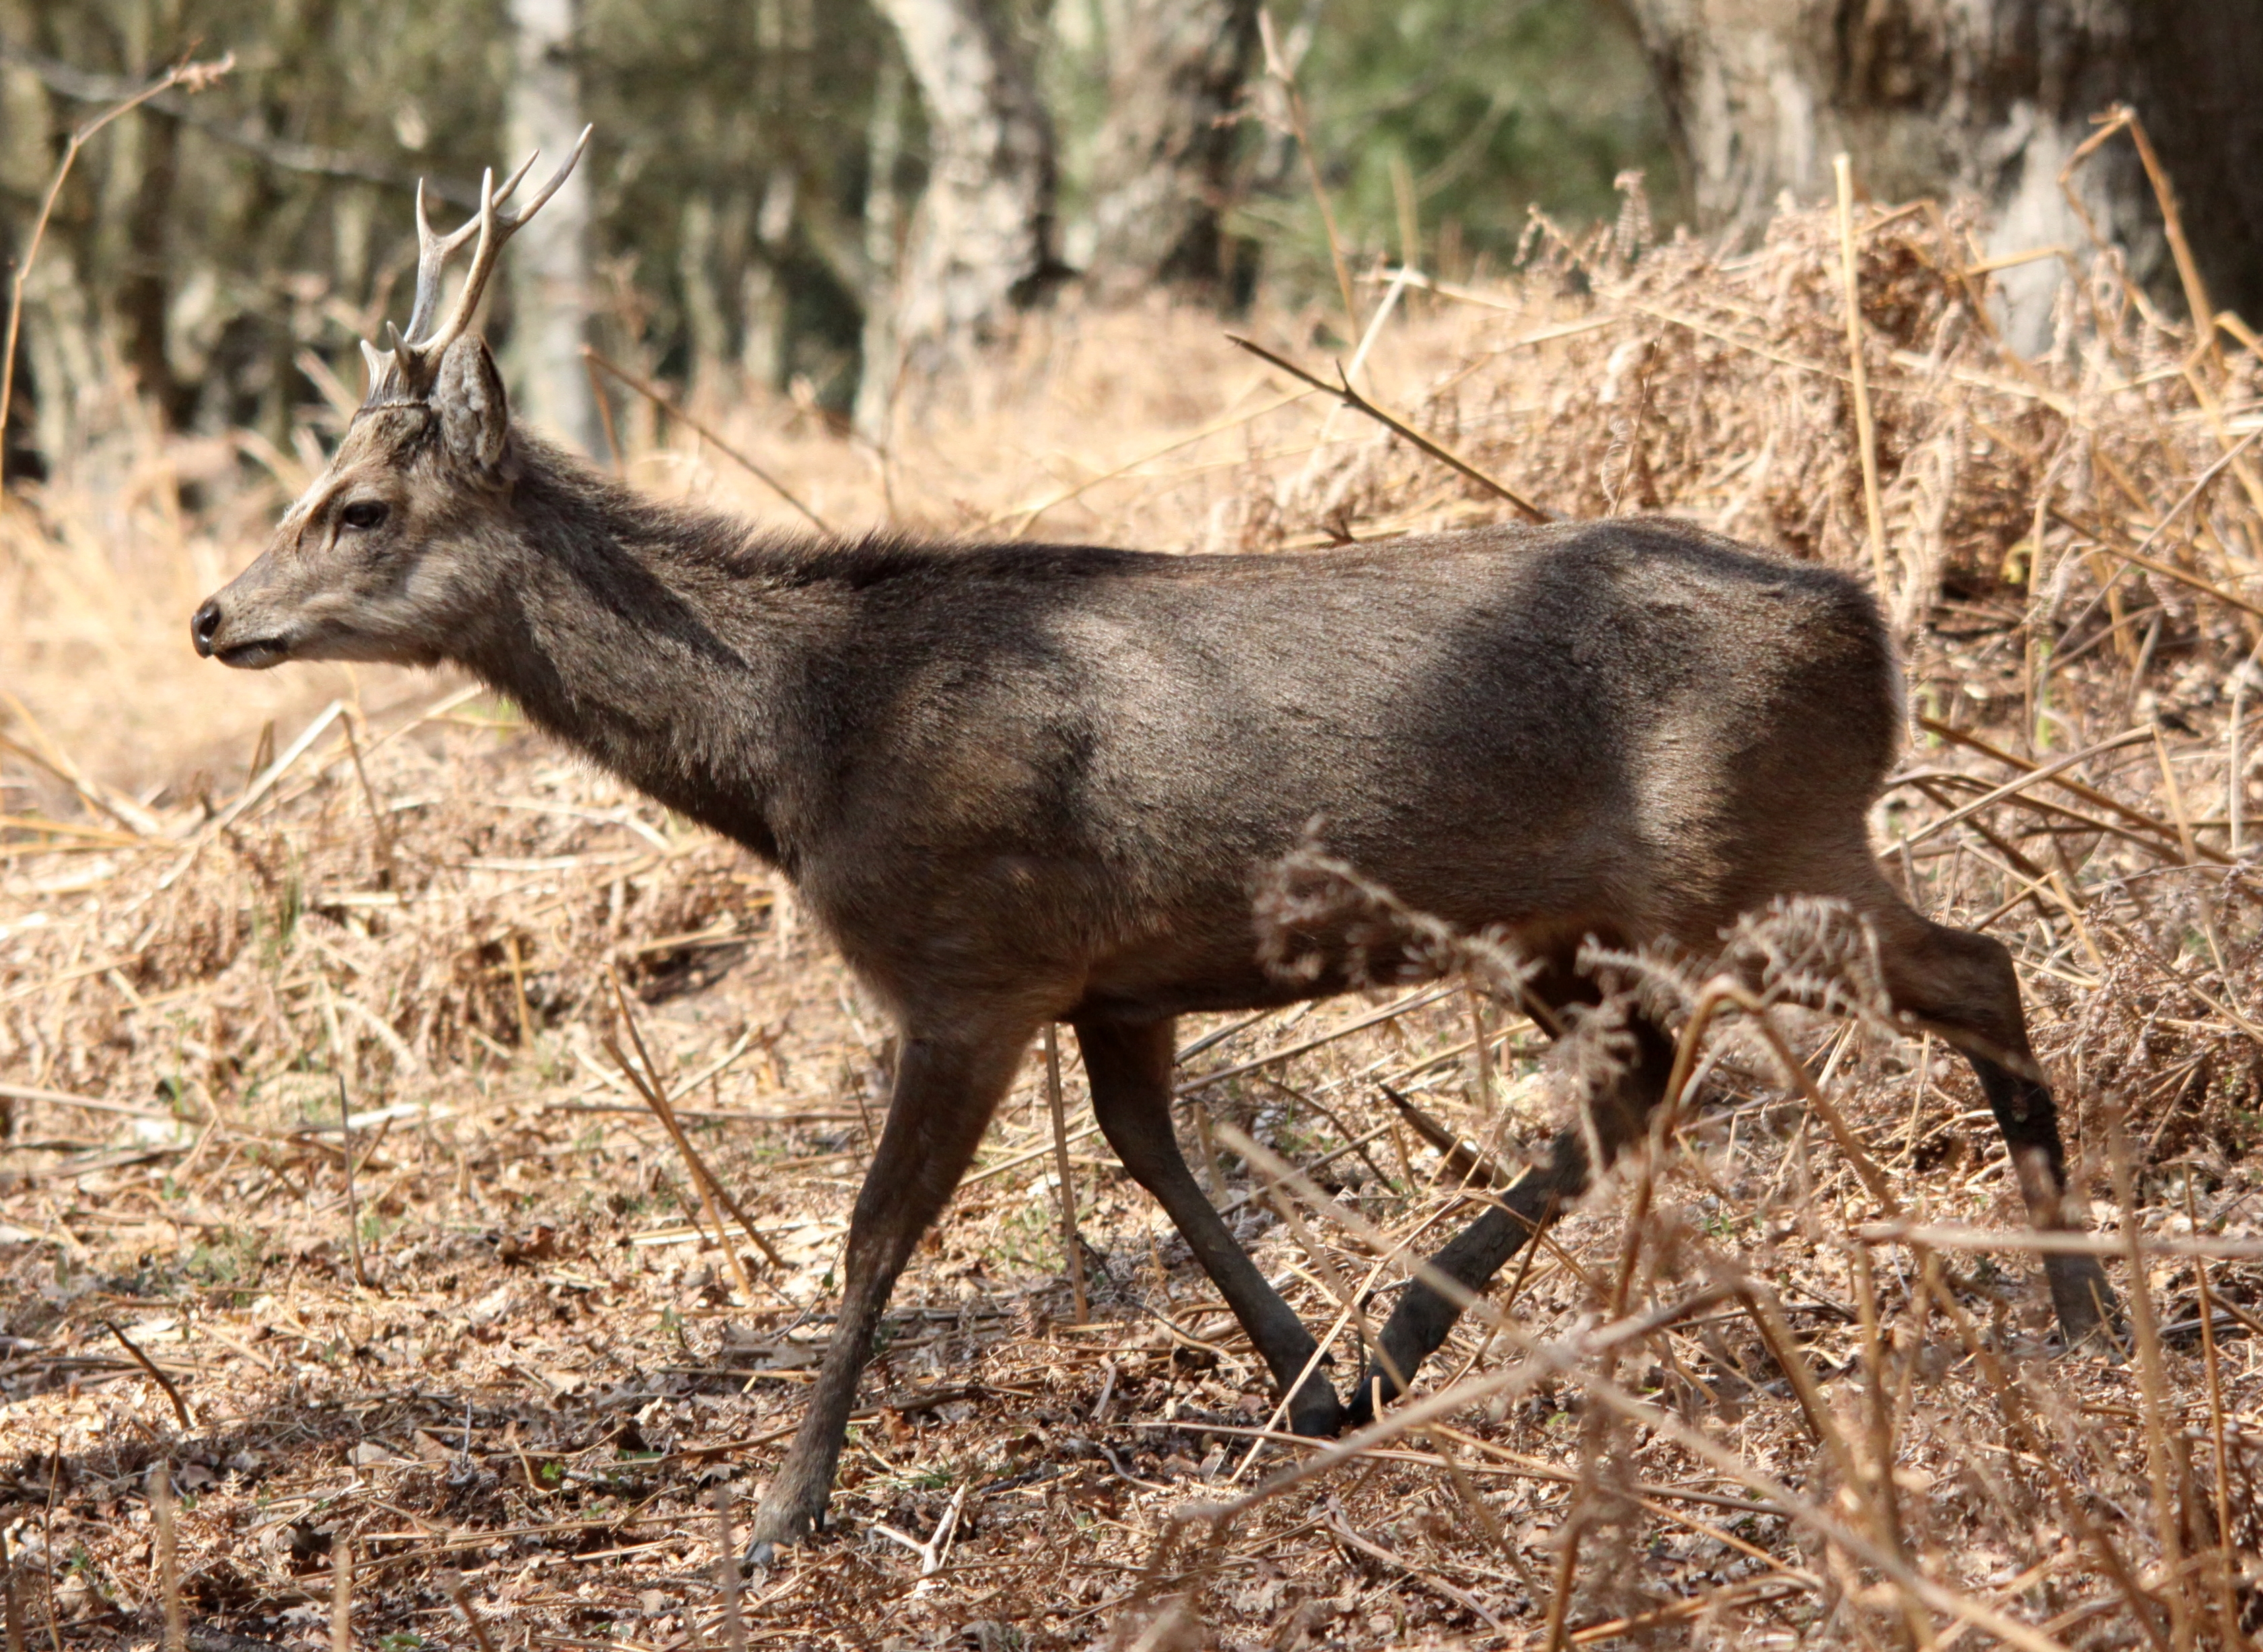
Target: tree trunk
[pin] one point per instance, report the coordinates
(549, 263)
(884, 150)
(1987, 96)
(982, 239)
(1165, 152)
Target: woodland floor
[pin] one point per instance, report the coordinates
(486, 1340)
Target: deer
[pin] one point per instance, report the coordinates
(1026, 784)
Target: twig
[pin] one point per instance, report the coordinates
(2012, 788)
(1351, 398)
(60, 1098)
(1031, 512)
(1866, 434)
(353, 1208)
(1072, 1247)
(2056, 1241)
(726, 1571)
(1193, 1086)
(668, 404)
(2227, 1608)
(194, 77)
(169, 1555)
(612, 446)
(648, 1087)
(936, 1550)
(452, 1582)
(2152, 1379)
(57, 761)
(341, 1568)
(290, 155)
(11, 1616)
(1462, 1164)
(2154, 565)
(1342, 1526)
(2089, 794)
(1284, 73)
(157, 1374)
(380, 831)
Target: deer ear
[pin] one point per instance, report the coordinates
(474, 417)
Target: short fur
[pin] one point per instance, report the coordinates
(1020, 783)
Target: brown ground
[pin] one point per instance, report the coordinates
(508, 1361)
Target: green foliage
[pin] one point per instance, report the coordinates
(1490, 109)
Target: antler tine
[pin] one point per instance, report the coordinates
(495, 227)
(433, 252)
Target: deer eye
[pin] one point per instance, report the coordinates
(363, 513)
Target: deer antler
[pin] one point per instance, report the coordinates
(405, 373)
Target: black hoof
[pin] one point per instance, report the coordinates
(1316, 1413)
(1362, 1410)
(761, 1555)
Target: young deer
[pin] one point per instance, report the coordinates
(1021, 784)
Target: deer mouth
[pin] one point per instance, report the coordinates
(255, 656)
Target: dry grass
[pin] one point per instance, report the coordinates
(1743, 1398)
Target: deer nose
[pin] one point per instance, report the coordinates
(205, 627)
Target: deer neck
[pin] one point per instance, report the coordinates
(636, 633)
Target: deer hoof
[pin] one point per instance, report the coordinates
(1316, 1413)
(779, 1523)
(2089, 1313)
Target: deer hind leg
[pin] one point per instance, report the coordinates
(1130, 1068)
(945, 1092)
(1619, 1112)
(1963, 986)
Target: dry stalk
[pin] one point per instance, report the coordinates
(342, 1586)
(1866, 433)
(647, 1084)
(190, 76)
(155, 1373)
(452, 1584)
(669, 405)
(2025, 1434)
(1071, 1246)
(1344, 393)
(726, 1571)
(168, 1555)
(12, 1610)
(2227, 1605)
(1285, 75)
(2152, 1381)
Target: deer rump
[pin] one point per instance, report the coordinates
(1066, 770)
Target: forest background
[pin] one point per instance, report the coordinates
(843, 203)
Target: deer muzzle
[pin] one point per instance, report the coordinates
(215, 637)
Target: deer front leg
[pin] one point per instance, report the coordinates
(945, 1091)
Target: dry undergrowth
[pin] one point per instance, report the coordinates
(1790, 1380)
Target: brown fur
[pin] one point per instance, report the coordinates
(1029, 783)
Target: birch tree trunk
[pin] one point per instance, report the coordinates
(549, 262)
(1989, 96)
(982, 240)
(884, 149)
(1164, 157)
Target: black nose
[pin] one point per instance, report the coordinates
(206, 625)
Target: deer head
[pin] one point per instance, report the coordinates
(377, 561)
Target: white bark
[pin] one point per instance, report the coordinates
(876, 385)
(982, 240)
(1164, 154)
(549, 259)
(1928, 95)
